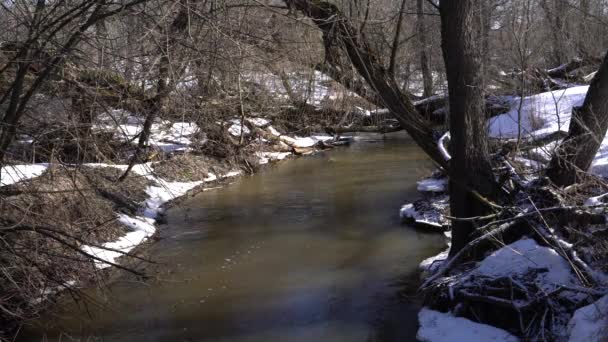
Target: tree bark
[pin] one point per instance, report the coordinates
(425, 63)
(470, 168)
(587, 130)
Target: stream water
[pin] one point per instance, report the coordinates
(309, 250)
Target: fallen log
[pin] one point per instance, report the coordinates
(364, 129)
(559, 77)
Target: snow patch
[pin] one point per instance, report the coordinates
(164, 135)
(163, 193)
(236, 128)
(141, 229)
(523, 256)
(433, 263)
(541, 114)
(441, 327)
(259, 122)
(12, 174)
(590, 323)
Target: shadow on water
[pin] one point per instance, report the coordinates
(310, 250)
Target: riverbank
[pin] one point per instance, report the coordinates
(536, 269)
(94, 222)
(307, 249)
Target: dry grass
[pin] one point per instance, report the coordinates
(44, 224)
(188, 167)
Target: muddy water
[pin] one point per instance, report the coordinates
(310, 250)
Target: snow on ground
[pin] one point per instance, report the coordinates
(236, 128)
(541, 114)
(11, 174)
(442, 327)
(141, 229)
(538, 116)
(165, 135)
(313, 88)
(590, 323)
(521, 257)
(164, 192)
(176, 137)
(259, 122)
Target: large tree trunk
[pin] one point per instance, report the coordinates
(336, 27)
(470, 168)
(587, 130)
(425, 63)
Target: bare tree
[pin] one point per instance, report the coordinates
(462, 51)
(337, 29)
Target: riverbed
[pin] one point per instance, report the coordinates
(309, 250)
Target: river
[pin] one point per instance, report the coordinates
(308, 250)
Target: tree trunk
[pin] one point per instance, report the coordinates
(587, 130)
(425, 63)
(470, 168)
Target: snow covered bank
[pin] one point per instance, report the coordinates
(137, 208)
(141, 227)
(161, 191)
